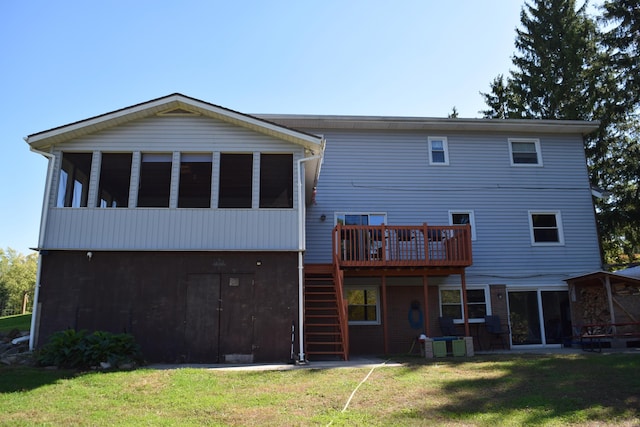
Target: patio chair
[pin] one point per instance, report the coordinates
(447, 327)
(495, 331)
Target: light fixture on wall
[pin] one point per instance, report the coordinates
(499, 296)
(89, 255)
(323, 217)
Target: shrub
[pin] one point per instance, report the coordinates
(79, 349)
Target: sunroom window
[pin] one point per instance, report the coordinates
(276, 180)
(115, 176)
(73, 184)
(236, 180)
(155, 180)
(195, 180)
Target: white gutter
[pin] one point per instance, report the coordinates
(43, 225)
(301, 249)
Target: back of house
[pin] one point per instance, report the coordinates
(213, 236)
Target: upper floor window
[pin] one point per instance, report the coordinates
(236, 180)
(363, 305)
(463, 218)
(438, 150)
(115, 176)
(73, 184)
(154, 187)
(546, 228)
(451, 304)
(194, 190)
(276, 180)
(525, 152)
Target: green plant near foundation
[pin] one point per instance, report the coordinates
(79, 349)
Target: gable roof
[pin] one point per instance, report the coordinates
(174, 104)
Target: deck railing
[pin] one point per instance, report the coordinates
(402, 246)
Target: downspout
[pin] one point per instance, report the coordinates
(301, 249)
(43, 225)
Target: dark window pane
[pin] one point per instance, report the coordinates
(475, 295)
(236, 176)
(545, 235)
(155, 180)
(540, 220)
(453, 311)
(115, 176)
(476, 311)
(356, 313)
(195, 181)
(73, 187)
(437, 157)
(460, 218)
(276, 180)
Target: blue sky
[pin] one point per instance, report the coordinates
(67, 60)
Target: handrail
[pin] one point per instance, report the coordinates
(343, 310)
(400, 245)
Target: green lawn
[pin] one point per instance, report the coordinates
(497, 390)
(21, 322)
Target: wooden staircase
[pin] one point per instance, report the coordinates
(326, 327)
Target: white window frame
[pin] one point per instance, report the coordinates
(536, 143)
(472, 220)
(487, 301)
(344, 214)
(365, 288)
(445, 148)
(558, 217)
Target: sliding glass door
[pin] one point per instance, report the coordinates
(539, 317)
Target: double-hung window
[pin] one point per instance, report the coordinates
(438, 150)
(525, 152)
(451, 304)
(363, 305)
(546, 228)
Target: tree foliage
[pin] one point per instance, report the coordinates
(17, 280)
(569, 67)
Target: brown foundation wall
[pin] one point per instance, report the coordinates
(203, 307)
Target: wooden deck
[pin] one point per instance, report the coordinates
(402, 246)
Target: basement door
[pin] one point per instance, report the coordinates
(219, 317)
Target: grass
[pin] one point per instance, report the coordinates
(21, 322)
(578, 389)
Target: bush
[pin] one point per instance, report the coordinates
(79, 349)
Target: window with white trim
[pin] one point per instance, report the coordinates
(460, 217)
(525, 152)
(546, 228)
(451, 304)
(363, 305)
(438, 150)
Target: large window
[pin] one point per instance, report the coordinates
(276, 180)
(451, 304)
(195, 181)
(73, 185)
(463, 218)
(525, 152)
(236, 180)
(155, 180)
(438, 150)
(363, 305)
(546, 228)
(115, 175)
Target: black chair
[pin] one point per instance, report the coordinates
(447, 327)
(495, 331)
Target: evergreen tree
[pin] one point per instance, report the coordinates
(566, 69)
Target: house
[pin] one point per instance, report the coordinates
(213, 235)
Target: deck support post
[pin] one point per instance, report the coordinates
(464, 304)
(385, 330)
(425, 288)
